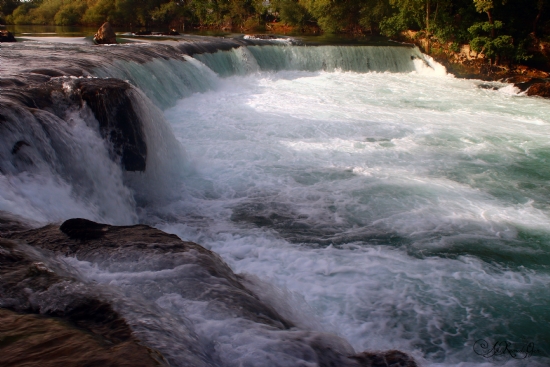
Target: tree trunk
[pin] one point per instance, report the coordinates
(491, 22)
(540, 5)
(427, 15)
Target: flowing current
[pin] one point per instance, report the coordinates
(363, 190)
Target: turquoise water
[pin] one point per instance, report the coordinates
(360, 190)
(409, 210)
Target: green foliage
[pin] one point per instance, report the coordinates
(166, 13)
(485, 27)
(455, 47)
(291, 12)
(394, 25)
(98, 12)
(483, 6)
(70, 13)
(8, 6)
(498, 47)
(21, 15)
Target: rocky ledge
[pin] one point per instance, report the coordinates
(51, 315)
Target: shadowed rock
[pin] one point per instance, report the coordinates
(83, 229)
(109, 100)
(391, 358)
(6, 36)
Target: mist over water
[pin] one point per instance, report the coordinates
(359, 190)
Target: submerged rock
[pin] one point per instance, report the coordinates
(31, 283)
(105, 35)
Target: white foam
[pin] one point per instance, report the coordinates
(407, 159)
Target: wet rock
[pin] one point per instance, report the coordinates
(105, 35)
(94, 242)
(524, 83)
(110, 101)
(392, 358)
(488, 86)
(539, 89)
(6, 36)
(35, 341)
(75, 327)
(117, 117)
(143, 33)
(25, 284)
(261, 36)
(10, 223)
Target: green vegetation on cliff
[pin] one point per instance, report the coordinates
(503, 30)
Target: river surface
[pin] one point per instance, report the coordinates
(402, 209)
(409, 210)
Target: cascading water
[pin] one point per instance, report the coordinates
(381, 200)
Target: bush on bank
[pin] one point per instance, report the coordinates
(505, 31)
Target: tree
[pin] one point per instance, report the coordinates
(8, 6)
(485, 6)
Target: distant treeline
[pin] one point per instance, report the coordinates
(498, 27)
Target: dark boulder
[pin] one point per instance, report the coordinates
(37, 341)
(118, 121)
(105, 35)
(82, 229)
(6, 36)
(525, 83)
(143, 33)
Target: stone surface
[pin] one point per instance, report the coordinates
(391, 358)
(36, 341)
(105, 35)
(540, 90)
(84, 330)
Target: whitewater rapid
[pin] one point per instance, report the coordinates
(408, 210)
(362, 191)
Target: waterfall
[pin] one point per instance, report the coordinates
(81, 159)
(167, 80)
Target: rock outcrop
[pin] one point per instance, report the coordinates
(105, 35)
(539, 89)
(35, 341)
(109, 101)
(82, 331)
(80, 322)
